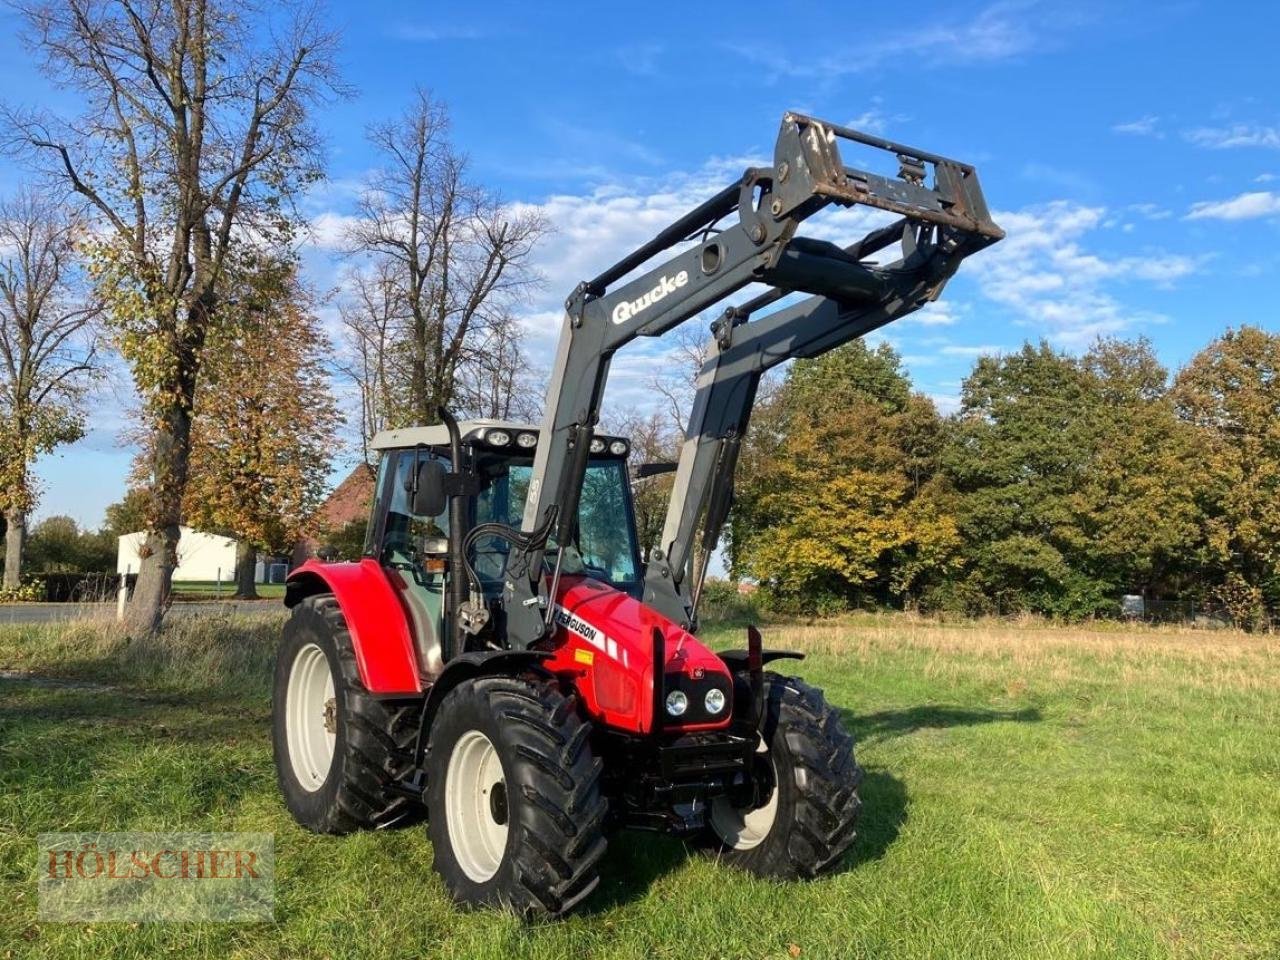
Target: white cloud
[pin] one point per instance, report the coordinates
(1043, 273)
(939, 313)
(1236, 135)
(1000, 31)
(947, 403)
(1149, 211)
(328, 230)
(1247, 206)
(432, 33)
(964, 350)
(1147, 126)
(1264, 178)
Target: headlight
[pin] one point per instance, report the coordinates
(597, 445)
(714, 701)
(499, 438)
(618, 448)
(677, 703)
(527, 440)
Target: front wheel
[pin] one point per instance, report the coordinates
(513, 793)
(805, 823)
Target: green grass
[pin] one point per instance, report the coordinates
(209, 589)
(1031, 792)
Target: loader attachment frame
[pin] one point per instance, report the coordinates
(942, 219)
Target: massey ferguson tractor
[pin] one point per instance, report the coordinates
(501, 660)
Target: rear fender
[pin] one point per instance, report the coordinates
(379, 626)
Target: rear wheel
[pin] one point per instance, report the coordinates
(806, 822)
(337, 748)
(516, 815)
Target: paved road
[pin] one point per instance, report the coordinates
(54, 612)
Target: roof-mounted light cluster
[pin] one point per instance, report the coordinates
(615, 446)
(495, 437)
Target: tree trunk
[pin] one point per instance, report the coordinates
(15, 543)
(246, 561)
(172, 457)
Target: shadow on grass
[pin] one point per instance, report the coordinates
(872, 727)
(637, 860)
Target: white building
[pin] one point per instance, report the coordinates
(201, 556)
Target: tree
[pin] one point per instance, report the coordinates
(1230, 393)
(264, 420)
(1018, 450)
(128, 515)
(1136, 501)
(192, 140)
(46, 352)
(1072, 481)
(836, 503)
(440, 262)
(652, 441)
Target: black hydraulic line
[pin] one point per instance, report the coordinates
(755, 674)
(707, 213)
(457, 593)
(567, 521)
(659, 641)
(717, 510)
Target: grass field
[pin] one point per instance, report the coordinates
(1031, 792)
(209, 590)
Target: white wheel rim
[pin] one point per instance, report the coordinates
(476, 806)
(745, 829)
(310, 717)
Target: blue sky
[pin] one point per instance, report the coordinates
(1131, 151)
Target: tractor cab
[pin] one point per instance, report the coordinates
(409, 526)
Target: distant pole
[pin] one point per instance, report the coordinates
(122, 595)
(217, 586)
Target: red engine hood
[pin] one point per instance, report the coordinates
(604, 642)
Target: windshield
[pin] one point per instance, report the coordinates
(606, 541)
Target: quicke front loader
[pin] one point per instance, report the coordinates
(501, 662)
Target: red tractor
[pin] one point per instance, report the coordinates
(502, 659)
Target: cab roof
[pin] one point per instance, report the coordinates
(438, 436)
(477, 431)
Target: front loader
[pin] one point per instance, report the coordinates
(501, 661)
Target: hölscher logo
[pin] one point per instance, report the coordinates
(667, 285)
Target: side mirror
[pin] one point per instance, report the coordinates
(429, 499)
(654, 469)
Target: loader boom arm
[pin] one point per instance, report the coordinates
(939, 224)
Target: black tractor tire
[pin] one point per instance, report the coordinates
(815, 802)
(542, 842)
(372, 739)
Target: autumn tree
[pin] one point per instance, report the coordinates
(1136, 501)
(46, 352)
(438, 263)
(264, 425)
(835, 502)
(1072, 481)
(192, 138)
(1230, 393)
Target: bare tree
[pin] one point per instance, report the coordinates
(192, 140)
(653, 440)
(46, 352)
(449, 261)
(678, 383)
(372, 318)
